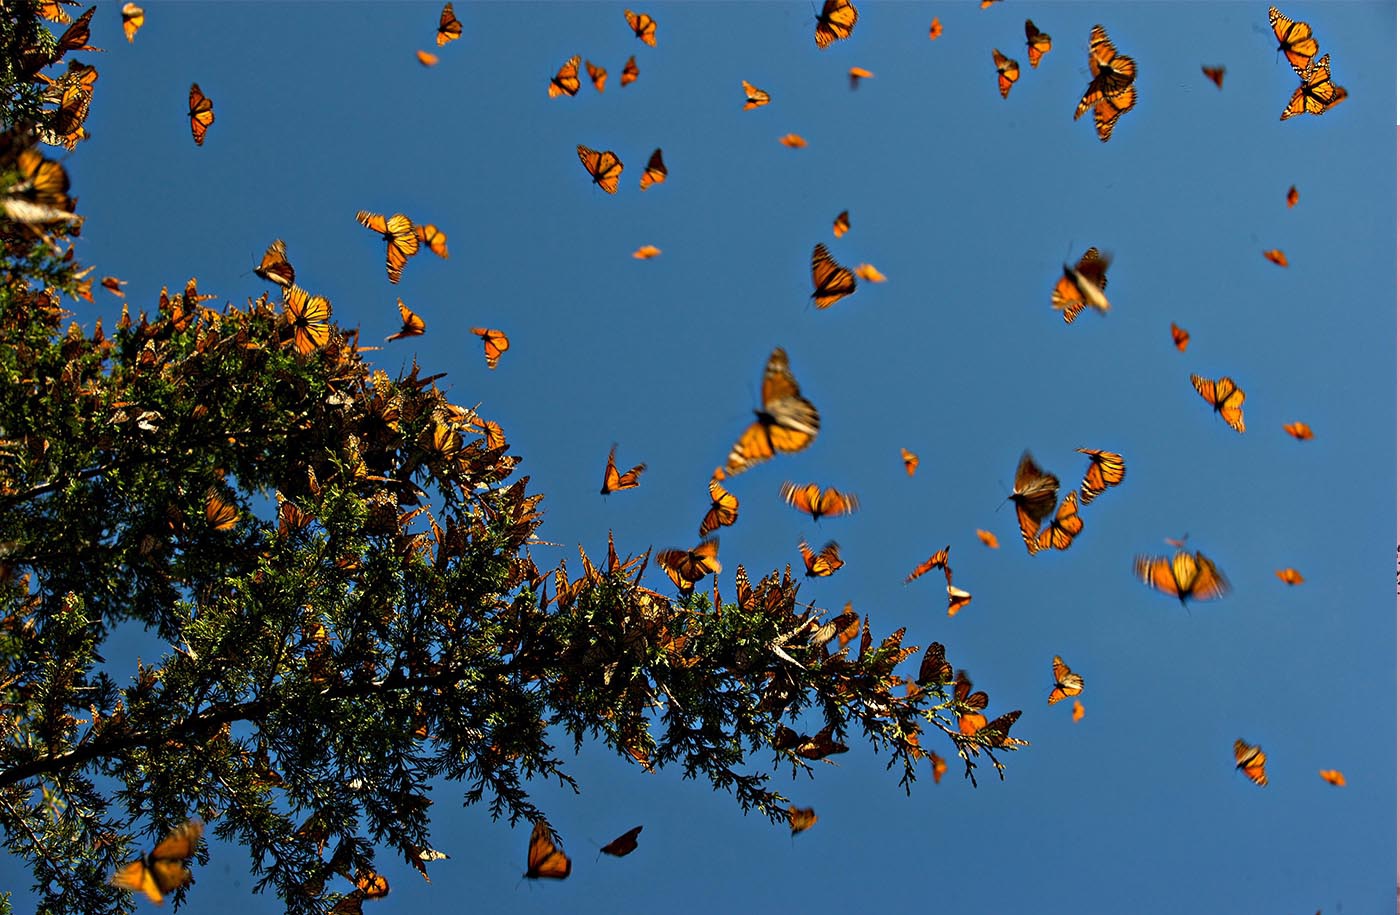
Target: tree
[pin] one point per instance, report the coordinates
(339, 562)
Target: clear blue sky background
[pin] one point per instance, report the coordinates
(969, 204)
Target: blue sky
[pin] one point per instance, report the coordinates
(969, 204)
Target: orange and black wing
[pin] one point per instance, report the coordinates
(642, 25)
(1250, 759)
(201, 114)
(1064, 527)
(1106, 468)
(1008, 71)
(309, 316)
(274, 266)
(655, 171)
(613, 481)
(1034, 495)
(629, 71)
(1067, 682)
(1037, 44)
(1295, 40)
(413, 325)
(830, 281)
(494, 342)
(566, 81)
(1225, 397)
(449, 27)
(724, 509)
(546, 859)
(788, 422)
(604, 167)
(835, 22)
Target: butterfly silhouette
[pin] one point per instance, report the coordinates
(624, 844)
(546, 859)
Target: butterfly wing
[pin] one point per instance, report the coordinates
(1065, 527)
(449, 27)
(1037, 44)
(566, 81)
(598, 75)
(1110, 108)
(655, 171)
(1208, 582)
(1106, 468)
(1008, 71)
(629, 71)
(788, 422)
(624, 844)
(1294, 40)
(413, 325)
(836, 21)
(545, 859)
(1250, 760)
(201, 114)
(274, 266)
(724, 509)
(842, 224)
(830, 281)
(1180, 337)
(643, 26)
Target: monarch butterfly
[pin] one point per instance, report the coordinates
(836, 21)
(792, 141)
(1275, 256)
(655, 171)
(911, 461)
(1316, 93)
(1037, 44)
(1289, 576)
(624, 844)
(801, 819)
(566, 81)
(968, 705)
(831, 282)
(413, 326)
(1250, 760)
(1106, 469)
(857, 74)
(724, 509)
(842, 224)
(957, 599)
(987, 3)
(274, 266)
(53, 11)
(495, 343)
(1078, 713)
(399, 239)
(133, 17)
(449, 26)
(114, 285)
(938, 560)
(1112, 72)
(642, 25)
(1067, 682)
(988, 539)
(820, 746)
(545, 859)
(1067, 295)
(41, 196)
(309, 316)
(1180, 337)
(1034, 495)
(597, 74)
(753, 96)
(935, 28)
(1215, 75)
(1333, 777)
(1182, 576)
(201, 114)
(1225, 397)
(1294, 40)
(686, 567)
(817, 502)
(1291, 198)
(629, 71)
(604, 167)
(75, 37)
(868, 272)
(1109, 109)
(433, 237)
(940, 766)
(822, 564)
(934, 668)
(788, 422)
(426, 58)
(163, 870)
(220, 514)
(1301, 431)
(1064, 527)
(646, 252)
(1008, 71)
(613, 481)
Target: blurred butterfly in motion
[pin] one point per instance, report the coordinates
(426, 59)
(1034, 495)
(968, 705)
(624, 844)
(957, 599)
(597, 74)
(449, 27)
(495, 343)
(686, 567)
(133, 17)
(274, 266)
(1182, 576)
(1077, 714)
(1291, 198)
(655, 171)
(413, 326)
(566, 81)
(629, 72)
(1316, 93)
(935, 28)
(201, 114)
(433, 237)
(753, 96)
(642, 25)
(724, 509)
(831, 282)
(1215, 75)
(1180, 337)
(1067, 682)
(219, 513)
(604, 167)
(821, 746)
(613, 481)
(820, 565)
(1113, 76)
(817, 502)
(1275, 256)
(1333, 777)
(310, 317)
(1224, 397)
(1068, 295)
(646, 252)
(163, 870)
(868, 272)
(1294, 40)
(857, 74)
(938, 560)
(1008, 71)
(1106, 468)
(114, 285)
(545, 859)
(1037, 44)
(1301, 431)
(911, 461)
(836, 22)
(1064, 527)
(788, 422)
(842, 224)
(399, 240)
(1109, 109)
(940, 766)
(1290, 576)
(792, 141)
(801, 820)
(988, 539)
(1250, 759)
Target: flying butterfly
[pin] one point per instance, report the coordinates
(643, 26)
(1064, 527)
(274, 266)
(686, 567)
(1034, 494)
(597, 74)
(1112, 73)
(1109, 109)
(426, 58)
(449, 26)
(1225, 397)
(792, 141)
(938, 560)
(1250, 760)
(911, 461)
(1067, 682)
(1008, 71)
(817, 502)
(1290, 576)
(1333, 777)
(801, 819)
(309, 316)
(566, 81)
(842, 224)
(1077, 714)
(655, 171)
(868, 272)
(1295, 40)
(613, 481)
(624, 844)
(753, 96)
(76, 36)
(723, 511)
(988, 539)
(940, 766)
(957, 599)
(433, 237)
(1037, 44)
(835, 22)
(1301, 431)
(1068, 296)
(163, 870)
(133, 17)
(114, 285)
(822, 564)
(646, 252)
(830, 281)
(1106, 468)
(1182, 576)
(1215, 75)
(787, 422)
(629, 72)
(1180, 337)
(400, 242)
(495, 343)
(545, 859)
(604, 167)
(413, 325)
(935, 29)
(1275, 256)
(201, 114)
(968, 705)
(1291, 198)
(219, 513)
(1316, 93)
(857, 74)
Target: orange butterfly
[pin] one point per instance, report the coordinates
(1067, 682)
(613, 481)
(1106, 468)
(968, 705)
(940, 766)
(820, 746)
(1182, 576)
(433, 237)
(220, 514)
(163, 870)
(938, 560)
(545, 859)
(274, 266)
(643, 26)
(1069, 294)
(1078, 713)
(792, 141)
(836, 22)
(820, 565)
(957, 599)
(75, 37)
(400, 242)
(842, 224)
(1250, 760)
(309, 316)
(987, 3)
(934, 668)
(114, 285)
(604, 167)
(624, 844)
(816, 502)
(1316, 93)
(133, 17)
(629, 72)
(1300, 431)
(801, 819)
(935, 28)
(988, 538)
(868, 272)
(449, 27)
(1289, 576)
(1110, 108)
(426, 59)
(830, 280)
(753, 96)
(655, 172)
(1294, 40)
(1292, 197)
(1064, 527)
(201, 114)
(1333, 777)
(911, 461)
(686, 567)
(857, 74)
(1180, 337)
(1037, 44)
(413, 326)
(597, 74)
(566, 81)
(788, 422)
(1008, 71)
(1034, 495)
(724, 509)
(1113, 76)
(1215, 75)
(1225, 397)
(495, 343)
(646, 252)
(1275, 256)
